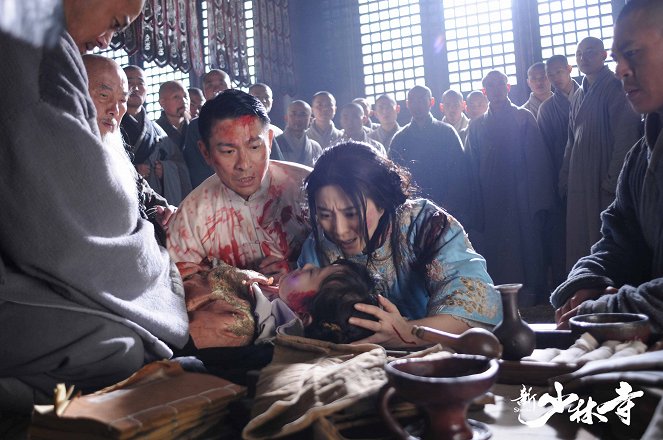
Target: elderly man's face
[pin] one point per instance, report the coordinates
(638, 50)
(109, 91)
(92, 23)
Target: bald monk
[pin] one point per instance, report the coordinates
(107, 85)
(624, 272)
(510, 163)
(171, 176)
(539, 83)
(452, 106)
(602, 127)
(553, 121)
(295, 145)
(86, 294)
(476, 104)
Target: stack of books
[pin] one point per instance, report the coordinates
(161, 401)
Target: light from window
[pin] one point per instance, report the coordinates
(391, 47)
(479, 38)
(564, 23)
(250, 38)
(120, 55)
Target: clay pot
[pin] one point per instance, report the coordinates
(517, 338)
(443, 388)
(612, 326)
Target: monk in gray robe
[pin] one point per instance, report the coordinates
(86, 294)
(553, 121)
(602, 128)
(512, 167)
(539, 85)
(432, 151)
(624, 272)
(294, 143)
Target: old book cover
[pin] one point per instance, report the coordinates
(159, 399)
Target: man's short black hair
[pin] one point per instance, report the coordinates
(229, 104)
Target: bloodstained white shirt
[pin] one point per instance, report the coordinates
(215, 222)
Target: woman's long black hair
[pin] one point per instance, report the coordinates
(362, 173)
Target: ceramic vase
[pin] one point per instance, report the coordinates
(517, 338)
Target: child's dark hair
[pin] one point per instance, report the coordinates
(334, 304)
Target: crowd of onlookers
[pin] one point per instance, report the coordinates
(509, 174)
(126, 240)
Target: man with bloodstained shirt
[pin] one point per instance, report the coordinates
(252, 213)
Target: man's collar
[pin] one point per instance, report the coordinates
(428, 121)
(258, 196)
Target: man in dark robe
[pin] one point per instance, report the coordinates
(214, 82)
(138, 131)
(602, 127)
(624, 272)
(169, 175)
(432, 151)
(553, 121)
(86, 294)
(539, 85)
(512, 167)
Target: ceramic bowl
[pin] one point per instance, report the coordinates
(612, 326)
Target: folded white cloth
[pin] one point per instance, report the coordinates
(629, 348)
(587, 349)
(606, 350)
(584, 344)
(542, 355)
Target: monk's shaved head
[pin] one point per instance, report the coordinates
(97, 63)
(592, 42)
(495, 75)
(590, 55)
(170, 87)
(650, 12)
(557, 60)
(638, 50)
(109, 90)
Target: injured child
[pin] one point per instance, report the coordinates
(230, 307)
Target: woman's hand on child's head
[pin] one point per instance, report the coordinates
(390, 330)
